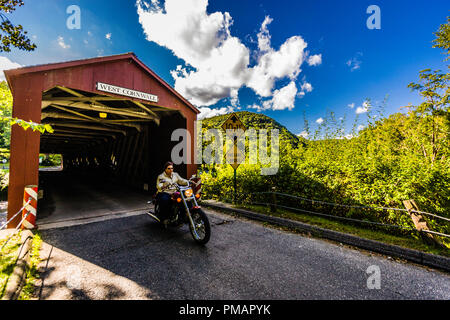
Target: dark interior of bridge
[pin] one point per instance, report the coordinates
(112, 149)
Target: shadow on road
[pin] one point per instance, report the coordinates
(112, 253)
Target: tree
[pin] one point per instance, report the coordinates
(442, 40)
(434, 88)
(5, 114)
(6, 120)
(12, 35)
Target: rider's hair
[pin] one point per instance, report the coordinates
(168, 163)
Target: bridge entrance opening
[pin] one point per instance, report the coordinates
(112, 148)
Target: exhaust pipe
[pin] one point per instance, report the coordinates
(153, 216)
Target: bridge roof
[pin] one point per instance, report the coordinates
(10, 74)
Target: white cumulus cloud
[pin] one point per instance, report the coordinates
(355, 62)
(62, 44)
(283, 98)
(307, 87)
(264, 35)
(255, 106)
(315, 60)
(6, 64)
(216, 63)
(206, 112)
(363, 108)
(320, 120)
(108, 36)
(274, 65)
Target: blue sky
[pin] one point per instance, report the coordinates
(280, 58)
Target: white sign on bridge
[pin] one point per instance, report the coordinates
(126, 92)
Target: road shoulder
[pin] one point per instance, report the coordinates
(415, 256)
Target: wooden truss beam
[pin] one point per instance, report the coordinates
(92, 107)
(84, 132)
(106, 98)
(82, 126)
(81, 117)
(64, 135)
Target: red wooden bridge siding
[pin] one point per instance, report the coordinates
(27, 85)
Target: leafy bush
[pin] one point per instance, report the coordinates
(381, 166)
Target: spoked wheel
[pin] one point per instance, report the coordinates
(202, 230)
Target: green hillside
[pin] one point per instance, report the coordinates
(255, 121)
(401, 157)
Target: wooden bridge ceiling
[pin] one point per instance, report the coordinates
(75, 117)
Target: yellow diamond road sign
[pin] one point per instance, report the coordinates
(234, 156)
(233, 123)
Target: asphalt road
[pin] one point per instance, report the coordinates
(134, 258)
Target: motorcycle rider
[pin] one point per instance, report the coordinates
(165, 184)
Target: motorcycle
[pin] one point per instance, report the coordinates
(185, 209)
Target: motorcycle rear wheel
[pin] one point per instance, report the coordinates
(202, 231)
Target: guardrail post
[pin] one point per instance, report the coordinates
(30, 193)
(420, 223)
(273, 206)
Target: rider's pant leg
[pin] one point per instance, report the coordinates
(164, 204)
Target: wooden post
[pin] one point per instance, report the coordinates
(132, 159)
(126, 157)
(420, 223)
(121, 156)
(139, 161)
(235, 187)
(273, 206)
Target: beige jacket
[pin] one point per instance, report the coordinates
(164, 181)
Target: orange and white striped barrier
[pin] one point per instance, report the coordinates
(30, 194)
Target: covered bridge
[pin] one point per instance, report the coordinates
(112, 116)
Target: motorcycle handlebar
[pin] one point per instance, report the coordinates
(176, 185)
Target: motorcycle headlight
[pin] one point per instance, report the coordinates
(188, 193)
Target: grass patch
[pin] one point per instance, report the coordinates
(372, 233)
(8, 257)
(32, 273)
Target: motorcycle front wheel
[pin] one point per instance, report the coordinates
(202, 231)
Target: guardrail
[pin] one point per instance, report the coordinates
(356, 207)
(19, 225)
(28, 211)
(248, 198)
